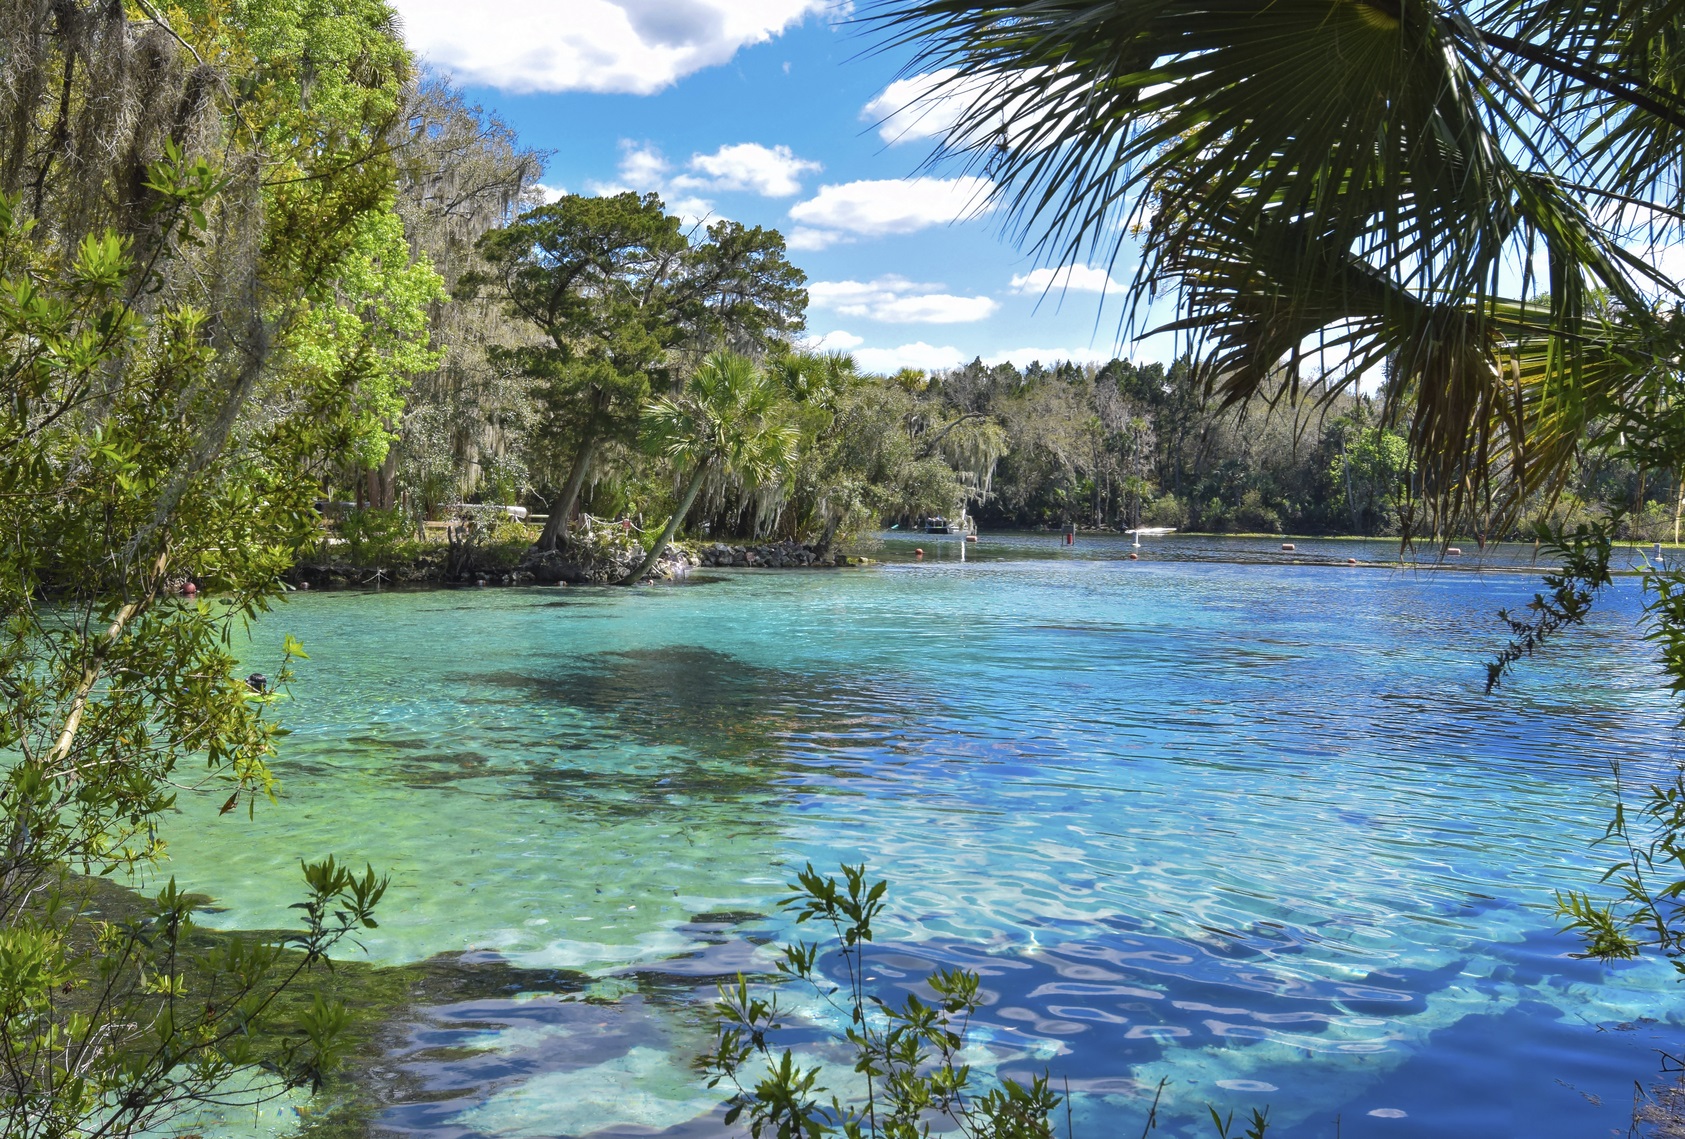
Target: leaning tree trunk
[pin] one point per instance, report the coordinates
(672, 527)
(556, 526)
(823, 548)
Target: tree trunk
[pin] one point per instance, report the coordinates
(823, 549)
(672, 526)
(556, 526)
(1678, 501)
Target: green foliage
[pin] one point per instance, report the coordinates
(198, 316)
(1585, 571)
(1649, 875)
(376, 537)
(909, 1054)
(627, 304)
(1373, 467)
(1256, 1127)
(731, 421)
(370, 335)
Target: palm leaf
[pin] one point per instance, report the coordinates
(1358, 177)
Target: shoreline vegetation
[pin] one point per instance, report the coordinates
(502, 554)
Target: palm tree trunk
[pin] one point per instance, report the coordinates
(556, 526)
(672, 526)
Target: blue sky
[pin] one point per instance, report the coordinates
(770, 112)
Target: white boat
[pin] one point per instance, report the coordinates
(941, 525)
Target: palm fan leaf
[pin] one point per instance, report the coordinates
(1361, 176)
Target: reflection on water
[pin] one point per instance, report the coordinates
(1246, 827)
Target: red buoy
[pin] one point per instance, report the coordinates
(919, 553)
(1288, 546)
(1134, 557)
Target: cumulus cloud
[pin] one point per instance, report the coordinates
(888, 207)
(929, 106)
(918, 107)
(925, 357)
(624, 46)
(837, 341)
(642, 167)
(550, 193)
(1024, 357)
(770, 171)
(1067, 278)
(896, 300)
(807, 240)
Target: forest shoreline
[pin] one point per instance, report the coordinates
(426, 567)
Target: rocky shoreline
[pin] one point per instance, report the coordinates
(600, 563)
(777, 555)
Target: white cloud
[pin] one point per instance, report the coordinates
(770, 171)
(626, 46)
(550, 193)
(693, 211)
(935, 308)
(805, 240)
(1067, 278)
(896, 300)
(1024, 357)
(644, 170)
(890, 206)
(643, 167)
(837, 341)
(885, 361)
(918, 107)
(931, 105)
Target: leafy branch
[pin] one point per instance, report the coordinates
(1572, 589)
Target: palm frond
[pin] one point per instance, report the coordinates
(1359, 177)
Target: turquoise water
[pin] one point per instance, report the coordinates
(1247, 826)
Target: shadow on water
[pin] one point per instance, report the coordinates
(709, 703)
(475, 1045)
(570, 1056)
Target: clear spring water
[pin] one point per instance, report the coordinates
(1210, 817)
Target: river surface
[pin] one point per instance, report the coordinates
(1236, 824)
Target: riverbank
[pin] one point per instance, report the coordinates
(513, 561)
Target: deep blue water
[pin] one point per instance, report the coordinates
(1246, 827)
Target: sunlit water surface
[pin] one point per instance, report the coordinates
(1244, 828)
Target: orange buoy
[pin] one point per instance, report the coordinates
(1134, 557)
(1288, 546)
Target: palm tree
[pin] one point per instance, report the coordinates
(730, 422)
(1370, 179)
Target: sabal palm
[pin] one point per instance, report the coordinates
(1355, 173)
(729, 421)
